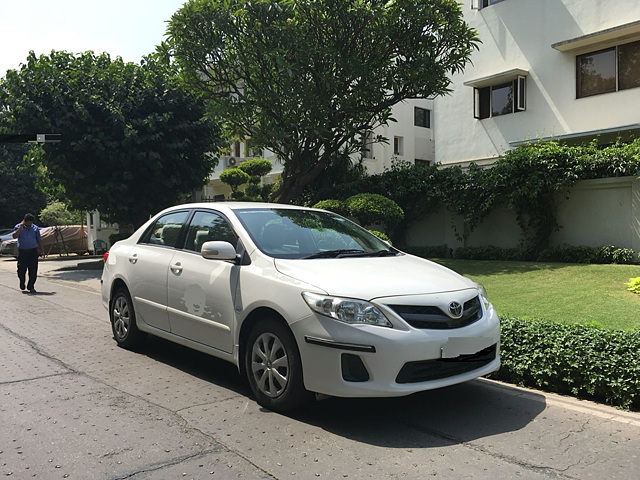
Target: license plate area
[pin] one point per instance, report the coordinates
(457, 346)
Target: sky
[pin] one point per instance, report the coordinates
(126, 28)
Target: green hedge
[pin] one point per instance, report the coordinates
(587, 362)
(489, 252)
(433, 251)
(582, 254)
(562, 253)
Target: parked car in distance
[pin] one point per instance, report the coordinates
(62, 239)
(6, 234)
(302, 301)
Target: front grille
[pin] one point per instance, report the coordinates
(425, 370)
(432, 317)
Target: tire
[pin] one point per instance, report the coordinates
(123, 320)
(273, 367)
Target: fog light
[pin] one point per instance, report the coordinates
(353, 369)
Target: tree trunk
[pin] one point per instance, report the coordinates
(294, 182)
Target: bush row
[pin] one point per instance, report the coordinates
(562, 253)
(582, 254)
(434, 251)
(587, 362)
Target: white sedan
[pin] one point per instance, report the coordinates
(302, 300)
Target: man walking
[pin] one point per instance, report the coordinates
(29, 241)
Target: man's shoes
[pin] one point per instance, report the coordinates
(32, 290)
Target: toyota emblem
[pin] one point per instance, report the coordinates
(455, 309)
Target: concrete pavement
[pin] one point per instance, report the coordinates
(73, 405)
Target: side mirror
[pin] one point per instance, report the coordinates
(218, 251)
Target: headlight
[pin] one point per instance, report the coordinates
(348, 310)
(483, 295)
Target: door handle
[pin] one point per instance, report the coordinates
(176, 268)
(133, 258)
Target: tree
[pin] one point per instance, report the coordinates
(57, 213)
(19, 193)
(306, 79)
(134, 140)
(256, 168)
(234, 177)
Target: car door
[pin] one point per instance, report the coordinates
(201, 292)
(148, 267)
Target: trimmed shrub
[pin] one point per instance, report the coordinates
(582, 254)
(372, 209)
(382, 236)
(634, 285)
(256, 167)
(562, 253)
(490, 252)
(611, 254)
(434, 251)
(234, 177)
(335, 206)
(567, 253)
(587, 362)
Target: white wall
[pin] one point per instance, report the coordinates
(597, 213)
(519, 34)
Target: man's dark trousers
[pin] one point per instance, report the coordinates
(28, 262)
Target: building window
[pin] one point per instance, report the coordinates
(609, 70)
(422, 117)
(398, 146)
(486, 3)
(367, 145)
(421, 163)
(501, 99)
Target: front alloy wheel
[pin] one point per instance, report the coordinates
(270, 365)
(273, 367)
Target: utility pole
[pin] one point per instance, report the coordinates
(30, 138)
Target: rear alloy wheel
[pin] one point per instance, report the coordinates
(274, 368)
(123, 320)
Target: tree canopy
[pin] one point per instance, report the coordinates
(19, 193)
(307, 78)
(134, 140)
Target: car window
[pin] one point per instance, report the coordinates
(207, 227)
(292, 233)
(166, 229)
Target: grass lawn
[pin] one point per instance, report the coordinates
(559, 292)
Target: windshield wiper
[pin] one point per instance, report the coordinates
(382, 253)
(335, 253)
(352, 253)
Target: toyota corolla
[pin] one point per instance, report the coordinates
(301, 300)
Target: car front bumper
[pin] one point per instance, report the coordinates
(368, 361)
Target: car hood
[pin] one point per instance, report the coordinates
(373, 277)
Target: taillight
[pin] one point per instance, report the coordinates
(105, 257)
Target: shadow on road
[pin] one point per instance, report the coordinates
(197, 364)
(436, 418)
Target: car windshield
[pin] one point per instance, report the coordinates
(307, 234)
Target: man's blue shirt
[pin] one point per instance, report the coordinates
(28, 237)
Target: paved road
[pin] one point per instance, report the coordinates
(74, 405)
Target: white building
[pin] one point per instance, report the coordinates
(546, 69)
(567, 70)
(410, 139)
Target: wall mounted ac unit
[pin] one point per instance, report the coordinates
(231, 162)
